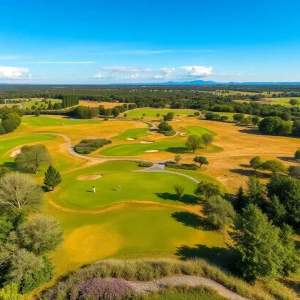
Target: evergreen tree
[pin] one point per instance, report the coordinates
(50, 106)
(240, 201)
(259, 250)
(52, 177)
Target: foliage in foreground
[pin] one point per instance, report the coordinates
(146, 270)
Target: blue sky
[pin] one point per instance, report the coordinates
(111, 41)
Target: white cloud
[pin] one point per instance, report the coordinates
(196, 71)
(13, 72)
(98, 76)
(147, 70)
(134, 76)
(116, 69)
(158, 77)
(8, 57)
(59, 62)
(167, 70)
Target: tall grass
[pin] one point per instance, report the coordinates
(150, 269)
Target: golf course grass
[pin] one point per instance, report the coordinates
(138, 148)
(132, 133)
(48, 121)
(135, 186)
(152, 112)
(196, 130)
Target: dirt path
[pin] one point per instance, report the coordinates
(184, 280)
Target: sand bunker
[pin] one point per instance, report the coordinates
(145, 142)
(15, 153)
(152, 151)
(182, 134)
(130, 139)
(89, 177)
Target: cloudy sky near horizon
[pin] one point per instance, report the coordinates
(136, 41)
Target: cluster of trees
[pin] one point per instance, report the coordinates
(166, 129)
(115, 111)
(10, 121)
(85, 112)
(194, 142)
(278, 126)
(69, 100)
(272, 165)
(24, 241)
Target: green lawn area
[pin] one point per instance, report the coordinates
(280, 101)
(136, 186)
(7, 144)
(134, 227)
(197, 130)
(29, 104)
(132, 133)
(152, 112)
(137, 148)
(48, 121)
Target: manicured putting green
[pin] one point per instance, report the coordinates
(138, 148)
(132, 133)
(197, 130)
(48, 121)
(152, 112)
(135, 186)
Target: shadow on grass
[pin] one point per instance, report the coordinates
(221, 257)
(289, 159)
(291, 284)
(251, 131)
(9, 165)
(191, 220)
(248, 173)
(186, 199)
(177, 150)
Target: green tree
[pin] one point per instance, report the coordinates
(40, 234)
(10, 292)
(255, 193)
(255, 120)
(164, 126)
(287, 189)
(31, 157)
(274, 166)
(257, 244)
(179, 190)
(206, 189)
(238, 117)
(19, 191)
(115, 112)
(202, 160)
(193, 142)
(294, 171)
(294, 102)
(52, 177)
(169, 116)
(290, 257)
(255, 162)
(207, 139)
(177, 159)
(276, 211)
(240, 201)
(219, 212)
(297, 155)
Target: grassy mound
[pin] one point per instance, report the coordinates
(132, 133)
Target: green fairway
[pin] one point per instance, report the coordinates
(7, 144)
(132, 133)
(137, 186)
(137, 148)
(48, 121)
(152, 112)
(196, 130)
(279, 101)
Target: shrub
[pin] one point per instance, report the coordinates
(103, 288)
(172, 164)
(145, 164)
(88, 146)
(2, 130)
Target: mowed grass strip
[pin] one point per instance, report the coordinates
(132, 133)
(197, 130)
(152, 112)
(138, 148)
(48, 121)
(135, 186)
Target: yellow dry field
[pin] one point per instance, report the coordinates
(97, 104)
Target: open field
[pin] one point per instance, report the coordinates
(97, 104)
(151, 112)
(37, 102)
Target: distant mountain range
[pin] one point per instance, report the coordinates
(170, 83)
